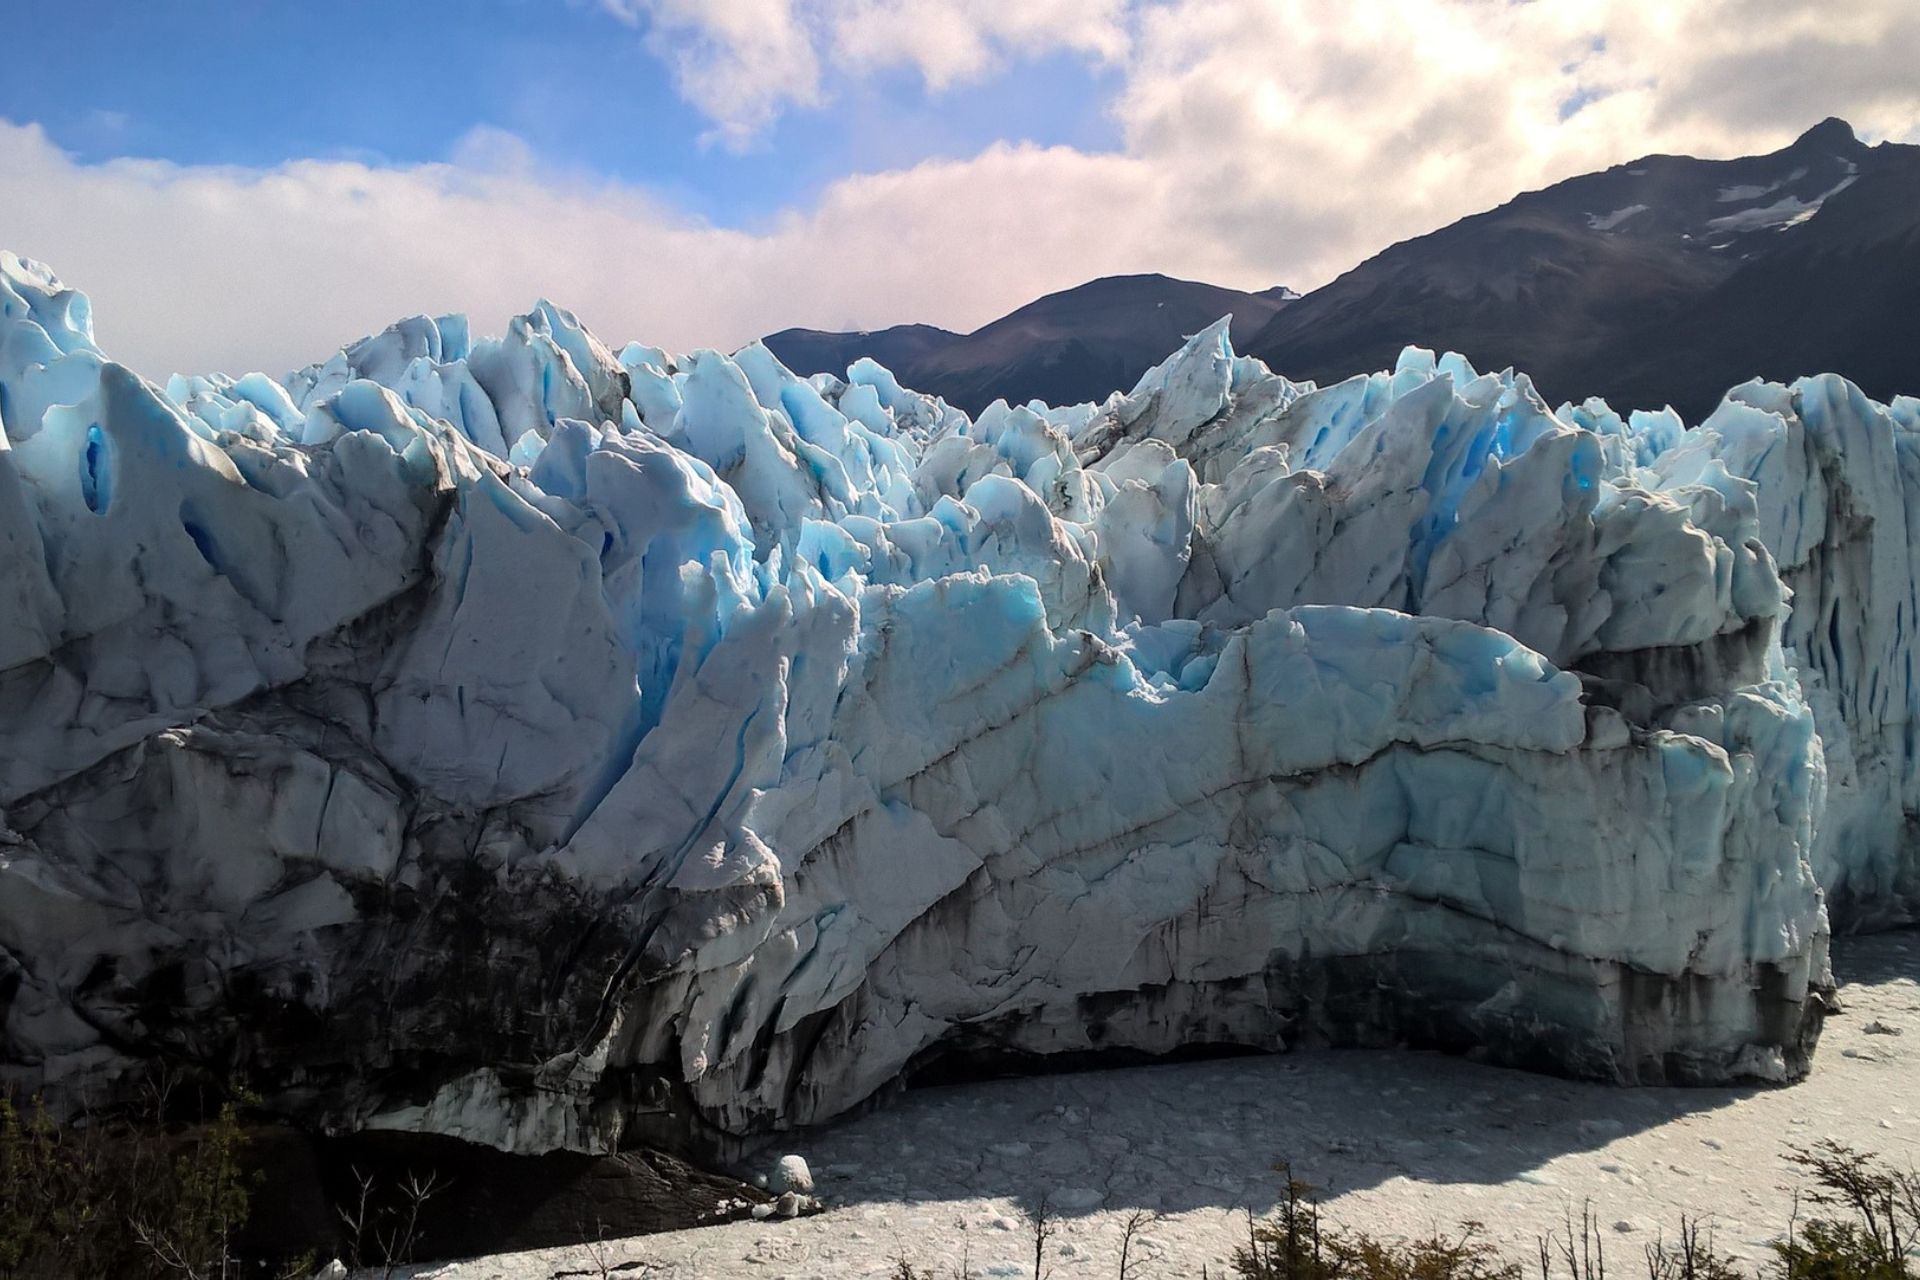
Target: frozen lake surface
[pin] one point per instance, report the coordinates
(1402, 1143)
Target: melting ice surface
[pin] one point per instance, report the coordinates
(554, 746)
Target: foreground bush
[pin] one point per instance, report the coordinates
(1867, 1228)
(1293, 1244)
(123, 1199)
(1879, 1230)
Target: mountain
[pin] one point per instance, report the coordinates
(1666, 279)
(901, 347)
(1079, 344)
(1839, 294)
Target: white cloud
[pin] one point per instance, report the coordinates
(209, 267)
(740, 62)
(953, 41)
(743, 62)
(1313, 134)
(1265, 141)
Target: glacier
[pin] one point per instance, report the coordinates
(558, 746)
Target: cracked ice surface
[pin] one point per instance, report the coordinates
(552, 746)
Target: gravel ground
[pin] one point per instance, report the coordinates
(1401, 1143)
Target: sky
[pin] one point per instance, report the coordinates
(252, 183)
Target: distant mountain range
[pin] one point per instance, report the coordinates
(1664, 280)
(1076, 345)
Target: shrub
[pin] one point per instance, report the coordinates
(1876, 1238)
(1293, 1244)
(1692, 1257)
(190, 1225)
(1289, 1244)
(1465, 1256)
(112, 1198)
(383, 1221)
(57, 1207)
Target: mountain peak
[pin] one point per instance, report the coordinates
(1831, 132)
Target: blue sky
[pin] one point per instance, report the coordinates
(258, 82)
(251, 184)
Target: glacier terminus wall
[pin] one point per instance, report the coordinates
(557, 747)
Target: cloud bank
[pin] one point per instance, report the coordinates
(1264, 142)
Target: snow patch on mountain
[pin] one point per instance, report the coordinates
(1607, 222)
(1788, 211)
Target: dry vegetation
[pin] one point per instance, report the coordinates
(1858, 1219)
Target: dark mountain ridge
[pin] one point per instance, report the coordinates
(1080, 344)
(1666, 279)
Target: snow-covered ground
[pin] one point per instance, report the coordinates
(1403, 1143)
